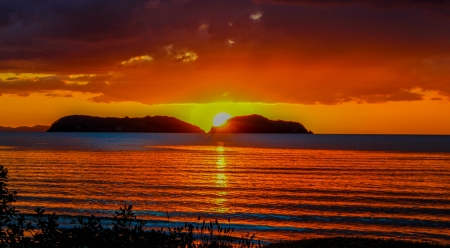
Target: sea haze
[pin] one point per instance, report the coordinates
(279, 186)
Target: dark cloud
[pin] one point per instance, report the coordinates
(53, 95)
(437, 99)
(378, 3)
(6, 14)
(439, 7)
(53, 35)
(402, 95)
(79, 20)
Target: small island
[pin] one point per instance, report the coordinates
(148, 124)
(258, 124)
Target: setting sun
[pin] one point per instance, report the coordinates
(220, 119)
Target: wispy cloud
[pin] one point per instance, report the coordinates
(185, 56)
(52, 84)
(139, 60)
(256, 16)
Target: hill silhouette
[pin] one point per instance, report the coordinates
(148, 124)
(37, 128)
(258, 124)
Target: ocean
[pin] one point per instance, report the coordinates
(278, 186)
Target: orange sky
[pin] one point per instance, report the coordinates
(336, 66)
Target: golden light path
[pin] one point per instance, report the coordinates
(221, 181)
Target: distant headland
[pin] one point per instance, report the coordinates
(258, 124)
(148, 124)
(34, 129)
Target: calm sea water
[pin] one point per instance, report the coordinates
(279, 186)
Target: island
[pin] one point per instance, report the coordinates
(148, 124)
(258, 124)
(24, 129)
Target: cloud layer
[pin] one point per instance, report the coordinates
(161, 51)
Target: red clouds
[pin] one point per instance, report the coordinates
(206, 51)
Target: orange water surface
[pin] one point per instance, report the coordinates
(277, 193)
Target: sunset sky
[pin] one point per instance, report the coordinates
(336, 66)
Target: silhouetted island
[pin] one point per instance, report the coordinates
(37, 128)
(258, 124)
(148, 124)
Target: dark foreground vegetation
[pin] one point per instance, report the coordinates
(43, 230)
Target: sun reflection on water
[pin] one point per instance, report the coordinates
(221, 164)
(220, 149)
(221, 182)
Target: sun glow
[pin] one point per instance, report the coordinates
(220, 119)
